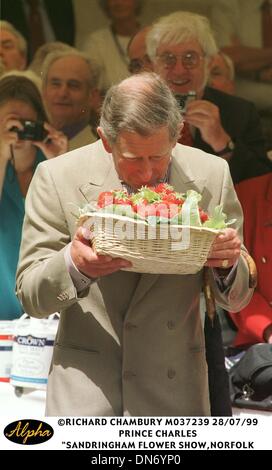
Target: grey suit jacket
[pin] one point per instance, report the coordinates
(131, 344)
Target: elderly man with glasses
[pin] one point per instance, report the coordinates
(181, 47)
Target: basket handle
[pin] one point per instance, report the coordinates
(208, 293)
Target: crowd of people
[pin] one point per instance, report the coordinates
(100, 103)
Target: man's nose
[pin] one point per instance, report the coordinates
(179, 67)
(63, 89)
(146, 171)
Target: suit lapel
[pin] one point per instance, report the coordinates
(145, 283)
(104, 178)
(182, 179)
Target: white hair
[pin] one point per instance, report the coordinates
(179, 27)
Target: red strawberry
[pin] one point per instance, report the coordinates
(203, 216)
(173, 198)
(163, 209)
(164, 188)
(105, 198)
(122, 200)
(145, 210)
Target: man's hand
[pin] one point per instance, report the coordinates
(88, 262)
(225, 250)
(206, 117)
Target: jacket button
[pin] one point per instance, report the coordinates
(171, 373)
(171, 325)
(263, 259)
(270, 303)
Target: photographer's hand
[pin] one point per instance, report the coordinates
(7, 138)
(206, 117)
(56, 142)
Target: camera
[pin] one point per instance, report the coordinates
(33, 130)
(184, 99)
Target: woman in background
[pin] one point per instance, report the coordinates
(20, 100)
(108, 46)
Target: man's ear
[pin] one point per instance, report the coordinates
(106, 143)
(180, 127)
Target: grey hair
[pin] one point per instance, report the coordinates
(42, 52)
(140, 104)
(22, 44)
(178, 27)
(72, 52)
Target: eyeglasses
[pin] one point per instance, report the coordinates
(139, 65)
(189, 59)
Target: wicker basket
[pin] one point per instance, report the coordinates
(160, 249)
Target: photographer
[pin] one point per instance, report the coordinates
(21, 118)
(181, 46)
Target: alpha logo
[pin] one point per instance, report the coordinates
(28, 432)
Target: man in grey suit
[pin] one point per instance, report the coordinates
(127, 343)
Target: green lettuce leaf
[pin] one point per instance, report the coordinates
(218, 219)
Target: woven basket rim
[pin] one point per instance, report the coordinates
(83, 219)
